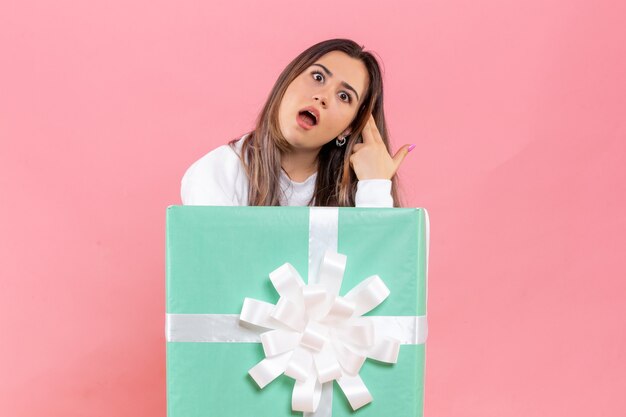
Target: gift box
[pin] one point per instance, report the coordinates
(221, 260)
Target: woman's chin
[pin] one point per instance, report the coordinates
(296, 140)
(302, 142)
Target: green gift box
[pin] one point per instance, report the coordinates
(218, 256)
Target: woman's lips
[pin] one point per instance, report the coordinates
(302, 123)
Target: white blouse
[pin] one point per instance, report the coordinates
(219, 179)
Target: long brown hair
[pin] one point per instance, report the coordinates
(336, 181)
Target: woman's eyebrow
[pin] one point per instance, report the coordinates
(345, 84)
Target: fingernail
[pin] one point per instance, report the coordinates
(411, 148)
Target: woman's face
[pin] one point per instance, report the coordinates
(333, 87)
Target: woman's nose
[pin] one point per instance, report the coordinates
(321, 99)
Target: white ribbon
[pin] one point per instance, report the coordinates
(312, 334)
(225, 328)
(318, 336)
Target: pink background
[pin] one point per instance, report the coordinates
(517, 108)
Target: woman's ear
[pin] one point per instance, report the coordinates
(347, 131)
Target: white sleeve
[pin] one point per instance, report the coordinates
(373, 193)
(213, 180)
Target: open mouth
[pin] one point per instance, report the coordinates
(307, 118)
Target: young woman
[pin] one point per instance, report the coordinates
(320, 140)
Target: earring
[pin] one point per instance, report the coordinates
(340, 141)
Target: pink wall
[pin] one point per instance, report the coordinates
(518, 111)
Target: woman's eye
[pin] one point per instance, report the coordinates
(318, 76)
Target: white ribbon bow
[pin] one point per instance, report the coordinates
(318, 336)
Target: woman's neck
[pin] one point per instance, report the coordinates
(299, 165)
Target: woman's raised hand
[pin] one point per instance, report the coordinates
(370, 159)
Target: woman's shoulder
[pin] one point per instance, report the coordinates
(219, 170)
(222, 160)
